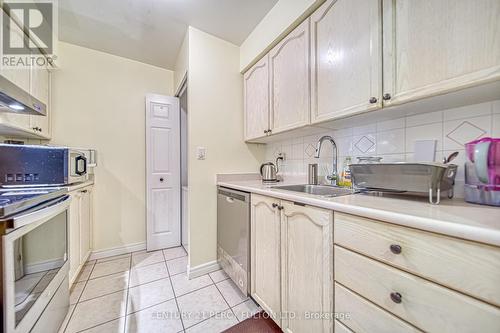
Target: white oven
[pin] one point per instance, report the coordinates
(34, 253)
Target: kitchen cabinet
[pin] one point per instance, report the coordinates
(34, 80)
(266, 255)
(20, 77)
(292, 263)
(433, 47)
(256, 100)
(346, 58)
(387, 275)
(307, 268)
(289, 81)
(80, 230)
(40, 89)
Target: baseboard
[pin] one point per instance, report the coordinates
(43, 266)
(203, 269)
(115, 251)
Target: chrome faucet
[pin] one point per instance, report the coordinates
(333, 178)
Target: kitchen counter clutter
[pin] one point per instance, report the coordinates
(453, 217)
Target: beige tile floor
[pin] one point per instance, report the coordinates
(150, 292)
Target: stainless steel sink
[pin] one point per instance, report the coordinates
(321, 190)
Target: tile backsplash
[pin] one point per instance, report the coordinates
(393, 140)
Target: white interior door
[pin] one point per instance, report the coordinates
(163, 172)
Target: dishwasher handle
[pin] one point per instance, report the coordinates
(231, 196)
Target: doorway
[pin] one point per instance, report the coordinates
(163, 174)
(183, 100)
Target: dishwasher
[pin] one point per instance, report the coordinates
(233, 235)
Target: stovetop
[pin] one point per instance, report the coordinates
(15, 200)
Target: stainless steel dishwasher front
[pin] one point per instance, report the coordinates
(233, 235)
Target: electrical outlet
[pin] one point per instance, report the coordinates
(201, 153)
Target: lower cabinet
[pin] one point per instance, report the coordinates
(292, 263)
(266, 255)
(80, 230)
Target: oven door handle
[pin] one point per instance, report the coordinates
(40, 213)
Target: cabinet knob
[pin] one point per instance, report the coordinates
(373, 100)
(161, 179)
(265, 131)
(269, 131)
(396, 249)
(396, 298)
(275, 205)
(387, 96)
(280, 207)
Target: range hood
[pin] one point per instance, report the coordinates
(15, 99)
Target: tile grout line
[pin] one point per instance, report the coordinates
(173, 291)
(126, 298)
(78, 300)
(224, 299)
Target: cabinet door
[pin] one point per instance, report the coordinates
(74, 235)
(289, 80)
(85, 224)
(256, 100)
(20, 76)
(307, 268)
(40, 89)
(432, 47)
(265, 255)
(346, 64)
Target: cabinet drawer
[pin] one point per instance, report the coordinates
(468, 267)
(426, 305)
(365, 316)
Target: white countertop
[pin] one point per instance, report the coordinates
(451, 217)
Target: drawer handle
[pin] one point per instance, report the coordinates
(396, 249)
(396, 298)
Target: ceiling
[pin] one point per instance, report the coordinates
(151, 31)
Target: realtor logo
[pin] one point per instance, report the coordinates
(28, 32)
(37, 19)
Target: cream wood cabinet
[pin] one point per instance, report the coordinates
(40, 89)
(80, 230)
(34, 80)
(256, 100)
(307, 268)
(21, 78)
(289, 81)
(292, 263)
(266, 255)
(433, 47)
(388, 276)
(346, 58)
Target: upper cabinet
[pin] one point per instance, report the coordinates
(289, 80)
(354, 56)
(40, 89)
(346, 58)
(36, 81)
(433, 47)
(256, 99)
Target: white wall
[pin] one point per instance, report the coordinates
(98, 102)
(278, 22)
(394, 139)
(215, 121)
(181, 64)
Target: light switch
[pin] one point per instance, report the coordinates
(201, 153)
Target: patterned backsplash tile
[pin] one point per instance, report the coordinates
(393, 140)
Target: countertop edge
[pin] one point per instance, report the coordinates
(470, 233)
